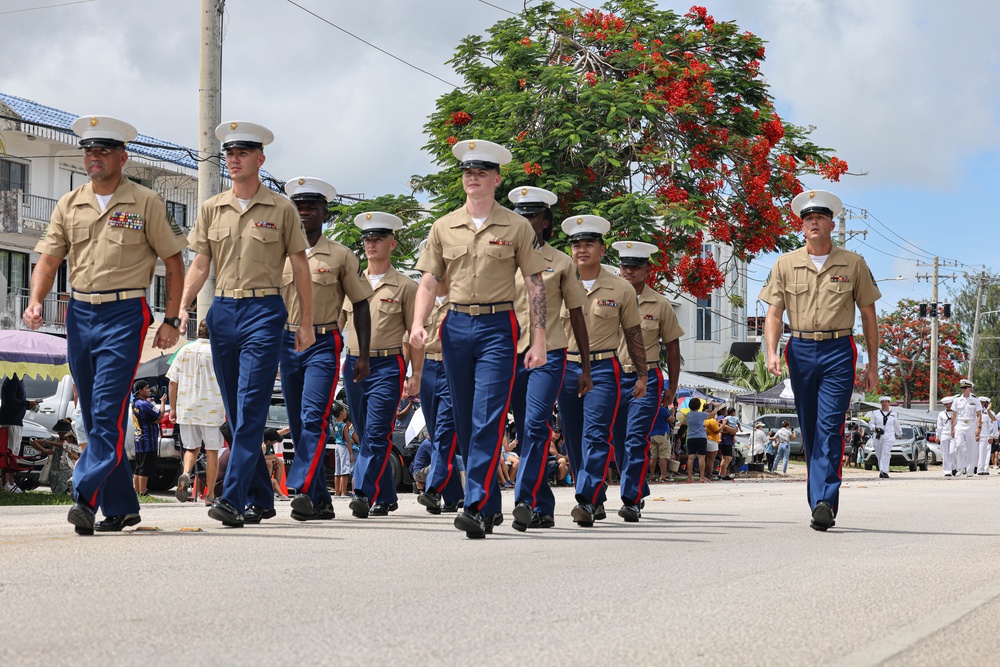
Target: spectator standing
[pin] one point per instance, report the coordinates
(14, 405)
(759, 441)
(783, 447)
(730, 427)
(196, 407)
(146, 422)
(769, 450)
(713, 431)
(697, 440)
(343, 451)
(660, 446)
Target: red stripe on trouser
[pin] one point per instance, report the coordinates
(548, 443)
(147, 317)
(325, 421)
(392, 427)
(843, 444)
(487, 482)
(611, 430)
(645, 457)
(451, 463)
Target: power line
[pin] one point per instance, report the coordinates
(32, 9)
(503, 9)
(377, 48)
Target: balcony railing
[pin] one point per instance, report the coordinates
(53, 308)
(37, 208)
(20, 212)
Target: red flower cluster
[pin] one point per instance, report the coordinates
(591, 78)
(460, 118)
(774, 130)
(833, 169)
(533, 168)
(452, 140)
(702, 13)
(521, 136)
(672, 193)
(526, 41)
(699, 275)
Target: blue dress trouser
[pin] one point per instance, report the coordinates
(373, 403)
(535, 394)
(588, 426)
(309, 384)
(822, 376)
(435, 402)
(632, 428)
(244, 335)
(480, 354)
(103, 343)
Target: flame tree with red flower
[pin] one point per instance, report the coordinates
(661, 122)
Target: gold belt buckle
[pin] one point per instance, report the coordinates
(474, 309)
(237, 293)
(96, 299)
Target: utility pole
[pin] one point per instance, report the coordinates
(843, 233)
(209, 117)
(981, 280)
(933, 312)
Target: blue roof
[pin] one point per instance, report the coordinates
(33, 112)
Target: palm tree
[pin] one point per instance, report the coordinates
(756, 379)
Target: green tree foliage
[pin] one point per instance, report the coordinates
(756, 379)
(406, 207)
(986, 374)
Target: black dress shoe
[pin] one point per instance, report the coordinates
(379, 509)
(539, 520)
(224, 511)
(359, 506)
(472, 523)
(630, 513)
(256, 513)
(883, 475)
(302, 507)
(822, 517)
(393, 507)
(522, 517)
(599, 513)
(490, 521)
(452, 507)
(324, 512)
(114, 524)
(82, 518)
(431, 500)
(583, 514)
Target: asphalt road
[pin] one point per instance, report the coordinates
(715, 574)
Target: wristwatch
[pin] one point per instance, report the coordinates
(175, 322)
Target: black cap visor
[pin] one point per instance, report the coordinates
(376, 231)
(530, 208)
(101, 143)
(815, 209)
(243, 144)
(309, 196)
(478, 164)
(633, 261)
(586, 236)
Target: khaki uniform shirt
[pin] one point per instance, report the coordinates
(391, 308)
(658, 323)
(611, 306)
(249, 247)
(438, 312)
(820, 300)
(335, 273)
(481, 264)
(561, 287)
(114, 250)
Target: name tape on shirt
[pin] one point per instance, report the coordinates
(840, 279)
(126, 220)
(266, 225)
(610, 303)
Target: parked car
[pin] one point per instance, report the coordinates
(910, 450)
(772, 422)
(26, 452)
(934, 453)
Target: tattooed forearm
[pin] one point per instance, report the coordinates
(436, 277)
(538, 306)
(636, 349)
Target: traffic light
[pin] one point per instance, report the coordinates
(947, 310)
(923, 310)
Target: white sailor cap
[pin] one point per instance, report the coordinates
(243, 134)
(476, 154)
(304, 188)
(585, 227)
(963, 383)
(527, 199)
(817, 200)
(634, 253)
(984, 400)
(885, 399)
(947, 400)
(103, 131)
(377, 223)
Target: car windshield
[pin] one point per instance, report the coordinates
(907, 433)
(277, 413)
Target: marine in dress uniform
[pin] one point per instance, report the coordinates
(248, 232)
(611, 312)
(480, 247)
(819, 286)
(373, 400)
(986, 435)
(636, 415)
(886, 421)
(536, 390)
(443, 487)
(943, 431)
(113, 230)
(309, 379)
(966, 425)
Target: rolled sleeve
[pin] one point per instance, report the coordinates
(574, 294)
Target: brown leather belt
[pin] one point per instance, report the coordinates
(96, 298)
(822, 335)
(482, 309)
(247, 293)
(594, 356)
(318, 329)
(629, 368)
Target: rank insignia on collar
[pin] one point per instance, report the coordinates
(840, 279)
(500, 242)
(610, 303)
(266, 225)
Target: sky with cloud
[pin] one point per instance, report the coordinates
(907, 91)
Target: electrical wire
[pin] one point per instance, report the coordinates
(32, 9)
(377, 48)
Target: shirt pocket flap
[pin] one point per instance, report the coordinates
(77, 233)
(500, 251)
(218, 233)
(390, 307)
(454, 251)
(606, 312)
(796, 288)
(125, 236)
(264, 234)
(324, 278)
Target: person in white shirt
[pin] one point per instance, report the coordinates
(758, 441)
(943, 431)
(887, 429)
(987, 433)
(196, 407)
(966, 422)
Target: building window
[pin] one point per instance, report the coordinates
(159, 293)
(704, 318)
(13, 175)
(177, 212)
(14, 266)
